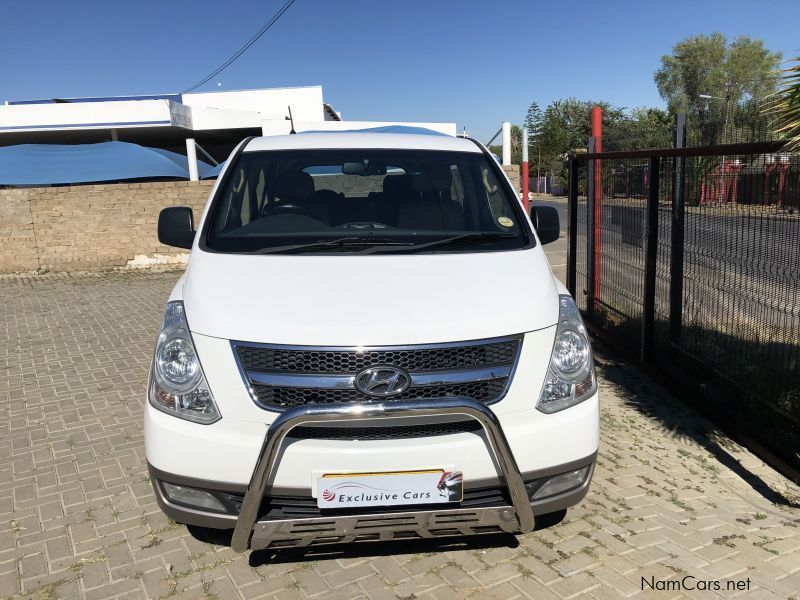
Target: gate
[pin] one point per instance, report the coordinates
(688, 258)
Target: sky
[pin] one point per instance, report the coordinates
(476, 63)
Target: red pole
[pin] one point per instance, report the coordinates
(524, 173)
(597, 134)
(782, 183)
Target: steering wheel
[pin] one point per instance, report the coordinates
(363, 225)
(289, 208)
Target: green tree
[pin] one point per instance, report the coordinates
(534, 121)
(566, 125)
(741, 71)
(637, 129)
(516, 145)
(785, 106)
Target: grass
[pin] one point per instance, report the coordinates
(591, 552)
(729, 363)
(680, 503)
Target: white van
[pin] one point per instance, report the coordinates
(368, 344)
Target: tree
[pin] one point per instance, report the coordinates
(516, 145)
(534, 121)
(637, 129)
(785, 106)
(566, 125)
(741, 71)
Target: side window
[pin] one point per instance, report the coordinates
(497, 204)
(457, 185)
(231, 208)
(244, 211)
(243, 200)
(261, 191)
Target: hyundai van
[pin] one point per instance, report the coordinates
(368, 344)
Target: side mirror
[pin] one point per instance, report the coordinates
(546, 222)
(176, 227)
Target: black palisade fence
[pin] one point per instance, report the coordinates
(689, 258)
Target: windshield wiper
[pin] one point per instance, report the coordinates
(467, 237)
(340, 243)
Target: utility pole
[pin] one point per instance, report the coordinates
(538, 166)
(727, 99)
(728, 88)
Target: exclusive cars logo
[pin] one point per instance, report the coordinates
(450, 488)
(382, 381)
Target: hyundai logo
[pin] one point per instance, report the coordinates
(382, 381)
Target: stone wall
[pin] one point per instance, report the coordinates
(513, 172)
(91, 227)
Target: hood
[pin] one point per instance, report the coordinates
(340, 300)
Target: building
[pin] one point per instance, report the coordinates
(208, 124)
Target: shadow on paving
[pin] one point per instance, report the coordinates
(372, 549)
(644, 395)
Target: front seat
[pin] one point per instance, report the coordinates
(396, 190)
(432, 206)
(295, 193)
(294, 187)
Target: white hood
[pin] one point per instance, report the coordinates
(336, 300)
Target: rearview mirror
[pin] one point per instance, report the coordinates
(546, 222)
(364, 168)
(176, 227)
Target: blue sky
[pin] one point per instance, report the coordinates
(473, 62)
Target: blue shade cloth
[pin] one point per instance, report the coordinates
(52, 164)
(385, 129)
(213, 172)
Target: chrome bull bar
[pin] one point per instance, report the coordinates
(315, 413)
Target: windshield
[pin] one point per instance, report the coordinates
(366, 201)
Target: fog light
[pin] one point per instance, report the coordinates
(192, 497)
(562, 483)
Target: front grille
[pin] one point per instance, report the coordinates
(384, 433)
(281, 377)
(349, 361)
(287, 397)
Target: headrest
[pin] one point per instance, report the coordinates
(397, 185)
(294, 185)
(436, 177)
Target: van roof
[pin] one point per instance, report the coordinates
(360, 139)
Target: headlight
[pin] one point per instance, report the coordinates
(570, 377)
(177, 363)
(177, 384)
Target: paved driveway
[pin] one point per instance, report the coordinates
(671, 496)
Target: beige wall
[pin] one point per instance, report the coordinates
(513, 172)
(90, 227)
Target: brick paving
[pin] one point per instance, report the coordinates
(671, 496)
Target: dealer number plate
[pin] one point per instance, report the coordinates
(349, 490)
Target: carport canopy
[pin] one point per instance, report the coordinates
(53, 164)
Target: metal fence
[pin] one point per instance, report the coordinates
(689, 258)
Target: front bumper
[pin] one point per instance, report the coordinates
(511, 509)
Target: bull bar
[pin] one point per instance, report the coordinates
(518, 517)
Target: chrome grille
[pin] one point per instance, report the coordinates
(282, 377)
(349, 361)
(285, 397)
